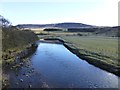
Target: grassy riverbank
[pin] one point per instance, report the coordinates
(104, 46)
(14, 41)
(100, 51)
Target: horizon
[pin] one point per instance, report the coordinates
(94, 12)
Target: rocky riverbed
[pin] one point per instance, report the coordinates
(14, 61)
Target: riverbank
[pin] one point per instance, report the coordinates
(96, 59)
(93, 60)
(14, 42)
(104, 62)
(17, 45)
(16, 62)
(13, 57)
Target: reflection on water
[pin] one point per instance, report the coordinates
(53, 65)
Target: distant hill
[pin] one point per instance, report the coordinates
(108, 31)
(59, 25)
(72, 25)
(77, 27)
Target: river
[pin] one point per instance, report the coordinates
(54, 66)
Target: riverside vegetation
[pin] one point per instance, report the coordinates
(14, 41)
(16, 44)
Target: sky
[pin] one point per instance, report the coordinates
(92, 12)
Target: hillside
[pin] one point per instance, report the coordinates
(108, 31)
(72, 25)
(59, 25)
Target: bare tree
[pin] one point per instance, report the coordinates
(4, 22)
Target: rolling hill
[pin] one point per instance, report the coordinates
(76, 27)
(59, 25)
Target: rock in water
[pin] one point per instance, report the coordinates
(27, 75)
(30, 86)
(21, 80)
(17, 83)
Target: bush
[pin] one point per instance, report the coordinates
(14, 38)
(79, 34)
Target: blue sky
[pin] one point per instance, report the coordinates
(94, 12)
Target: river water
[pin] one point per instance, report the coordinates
(54, 66)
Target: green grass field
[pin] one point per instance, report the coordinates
(105, 48)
